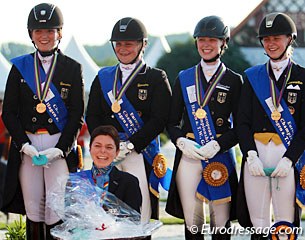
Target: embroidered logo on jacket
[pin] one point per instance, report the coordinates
(142, 94)
(292, 97)
(221, 97)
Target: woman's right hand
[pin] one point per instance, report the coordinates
(255, 165)
(189, 148)
(29, 150)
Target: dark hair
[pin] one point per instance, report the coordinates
(106, 130)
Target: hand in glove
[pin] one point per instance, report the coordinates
(255, 165)
(124, 151)
(189, 148)
(52, 153)
(29, 150)
(282, 168)
(210, 149)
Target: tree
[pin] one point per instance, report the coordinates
(11, 49)
(234, 59)
(182, 56)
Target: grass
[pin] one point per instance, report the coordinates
(171, 220)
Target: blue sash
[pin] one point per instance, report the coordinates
(204, 132)
(56, 108)
(132, 123)
(285, 127)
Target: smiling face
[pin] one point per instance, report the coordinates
(276, 45)
(103, 151)
(127, 51)
(46, 39)
(208, 47)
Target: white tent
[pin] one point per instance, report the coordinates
(79, 53)
(156, 50)
(4, 71)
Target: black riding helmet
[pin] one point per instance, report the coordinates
(213, 27)
(129, 29)
(45, 16)
(277, 24)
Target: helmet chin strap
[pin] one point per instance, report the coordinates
(214, 58)
(281, 56)
(46, 53)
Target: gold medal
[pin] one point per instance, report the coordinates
(115, 107)
(41, 107)
(276, 115)
(200, 113)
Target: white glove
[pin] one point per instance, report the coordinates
(124, 151)
(255, 165)
(210, 149)
(52, 153)
(282, 168)
(189, 148)
(29, 150)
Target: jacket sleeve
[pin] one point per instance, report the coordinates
(297, 146)
(10, 110)
(94, 113)
(160, 106)
(177, 109)
(230, 138)
(75, 112)
(245, 118)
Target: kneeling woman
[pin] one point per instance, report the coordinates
(104, 147)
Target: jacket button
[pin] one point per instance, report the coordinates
(35, 97)
(34, 119)
(50, 120)
(264, 129)
(212, 112)
(212, 98)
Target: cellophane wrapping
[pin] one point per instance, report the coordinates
(88, 212)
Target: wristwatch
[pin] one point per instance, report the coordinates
(130, 146)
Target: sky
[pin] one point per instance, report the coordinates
(91, 21)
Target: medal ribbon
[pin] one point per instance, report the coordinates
(216, 79)
(48, 78)
(277, 99)
(115, 89)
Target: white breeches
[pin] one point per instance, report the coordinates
(261, 191)
(188, 176)
(37, 182)
(134, 164)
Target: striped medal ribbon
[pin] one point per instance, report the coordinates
(276, 99)
(42, 93)
(118, 93)
(203, 100)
